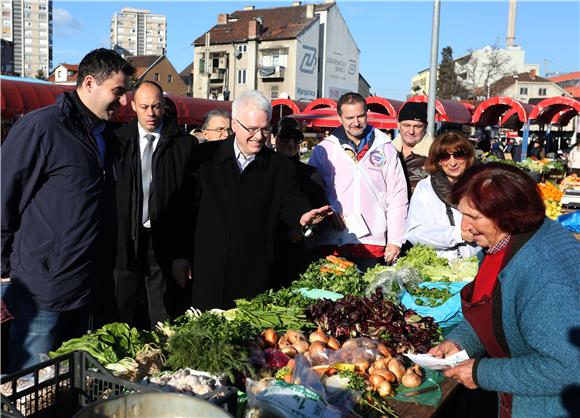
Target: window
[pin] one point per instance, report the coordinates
(242, 48)
(523, 91)
(156, 76)
(169, 78)
(274, 91)
(542, 91)
(241, 78)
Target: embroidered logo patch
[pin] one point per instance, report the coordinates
(377, 158)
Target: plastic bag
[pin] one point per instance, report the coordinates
(305, 397)
(392, 282)
(447, 314)
(571, 221)
(319, 294)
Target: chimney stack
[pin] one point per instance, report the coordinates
(309, 11)
(253, 29)
(511, 30)
(533, 74)
(222, 18)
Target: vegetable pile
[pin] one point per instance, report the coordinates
(374, 317)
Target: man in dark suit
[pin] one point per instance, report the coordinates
(242, 190)
(154, 166)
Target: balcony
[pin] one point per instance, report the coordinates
(271, 72)
(217, 75)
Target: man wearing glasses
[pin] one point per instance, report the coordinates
(216, 126)
(413, 143)
(242, 191)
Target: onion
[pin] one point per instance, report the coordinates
(385, 374)
(397, 368)
(384, 350)
(362, 365)
(350, 344)
(289, 351)
(270, 336)
(318, 335)
(385, 389)
(301, 346)
(293, 336)
(376, 380)
(410, 379)
(283, 342)
(333, 343)
(317, 351)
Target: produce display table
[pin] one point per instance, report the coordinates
(413, 410)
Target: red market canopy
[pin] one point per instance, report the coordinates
(320, 103)
(553, 109)
(385, 106)
(20, 97)
(494, 109)
(328, 118)
(285, 107)
(447, 110)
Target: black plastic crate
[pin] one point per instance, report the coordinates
(77, 380)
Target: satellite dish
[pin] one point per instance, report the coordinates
(237, 54)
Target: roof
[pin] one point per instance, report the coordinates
(186, 72)
(142, 63)
(508, 80)
(565, 77)
(278, 23)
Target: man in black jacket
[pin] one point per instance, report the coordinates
(58, 210)
(242, 190)
(154, 168)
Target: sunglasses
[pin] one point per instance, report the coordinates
(458, 155)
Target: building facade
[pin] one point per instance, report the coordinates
(527, 87)
(569, 82)
(138, 32)
(28, 25)
(160, 70)
(301, 52)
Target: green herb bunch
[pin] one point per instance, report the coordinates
(213, 344)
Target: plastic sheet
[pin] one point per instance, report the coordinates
(447, 314)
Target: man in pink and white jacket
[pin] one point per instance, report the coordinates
(365, 186)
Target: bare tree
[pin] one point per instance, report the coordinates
(484, 67)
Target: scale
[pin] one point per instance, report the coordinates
(571, 199)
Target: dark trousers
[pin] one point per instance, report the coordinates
(149, 277)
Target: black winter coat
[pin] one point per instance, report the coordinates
(238, 214)
(170, 204)
(57, 207)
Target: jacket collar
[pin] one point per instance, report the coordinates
(422, 147)
(130, 130)
(226, 152)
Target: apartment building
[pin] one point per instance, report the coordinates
(28, 25)
(301, 52)
(138, 32)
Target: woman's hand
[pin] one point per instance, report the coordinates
(446, 348)
(462, 373)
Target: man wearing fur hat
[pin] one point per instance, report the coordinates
(413, 143)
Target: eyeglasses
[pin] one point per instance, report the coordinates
(253, 131)
(458, 155)
(220, 130)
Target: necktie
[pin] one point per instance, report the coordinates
(146, 174)
(101, 144)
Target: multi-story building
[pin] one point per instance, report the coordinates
(527, 87)
(569, 82)
(301, 52)
(138, 32)
(28, 25)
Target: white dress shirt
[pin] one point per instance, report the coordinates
(142, 144)
(242, 160)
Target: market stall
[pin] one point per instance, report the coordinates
(334, 339)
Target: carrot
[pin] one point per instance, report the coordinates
(340, 261)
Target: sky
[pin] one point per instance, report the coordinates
(394, 38)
